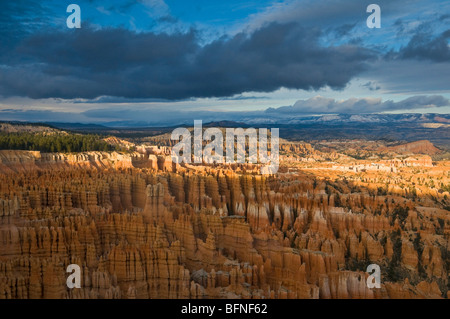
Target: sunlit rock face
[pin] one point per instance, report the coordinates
(141, 227)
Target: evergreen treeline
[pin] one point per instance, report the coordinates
(49, 143)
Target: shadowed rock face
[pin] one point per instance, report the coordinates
(146, 229)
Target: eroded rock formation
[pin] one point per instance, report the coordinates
(141, 228)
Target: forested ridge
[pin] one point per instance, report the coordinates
(49, 143)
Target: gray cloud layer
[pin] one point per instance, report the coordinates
(323, 105)
(173, 115)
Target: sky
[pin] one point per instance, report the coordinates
(162, 62)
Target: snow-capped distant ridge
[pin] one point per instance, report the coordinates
(351, 118)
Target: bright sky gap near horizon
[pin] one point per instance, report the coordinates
(143, 61)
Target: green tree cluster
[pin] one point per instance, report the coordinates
(49, 143)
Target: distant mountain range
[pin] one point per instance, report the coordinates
(354, 118)
(396, 127)
(251, 119)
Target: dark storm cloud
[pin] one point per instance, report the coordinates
(428, 47)
(88, 63)
(127, 66)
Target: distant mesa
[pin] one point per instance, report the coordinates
(441, 119)
(418, 147)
